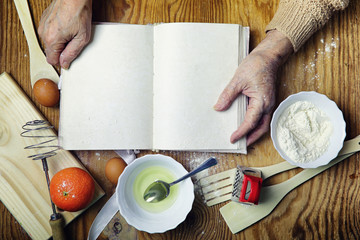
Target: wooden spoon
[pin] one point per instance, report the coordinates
(39, 67)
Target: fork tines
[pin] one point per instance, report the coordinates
(217, 188)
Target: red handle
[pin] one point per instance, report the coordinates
(255, 188)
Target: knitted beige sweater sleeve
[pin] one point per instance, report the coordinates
(299, 19)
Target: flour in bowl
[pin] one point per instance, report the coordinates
(304, 131)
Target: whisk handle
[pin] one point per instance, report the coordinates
(57, 226)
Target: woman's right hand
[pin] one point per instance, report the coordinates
(255, 78)
(65, 28)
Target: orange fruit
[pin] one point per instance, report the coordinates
(72, 189)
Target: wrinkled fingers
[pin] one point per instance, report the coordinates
(252, 117)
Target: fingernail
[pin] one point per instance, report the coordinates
(234, 138)
(63, 62)
(218, 106)
(65, 65)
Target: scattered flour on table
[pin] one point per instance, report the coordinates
(304, 131)
(325, 52)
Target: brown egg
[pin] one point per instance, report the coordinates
(46, 92)
(113, 169)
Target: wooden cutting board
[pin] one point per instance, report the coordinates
(23, 188)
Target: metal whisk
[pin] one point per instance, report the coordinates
(38, 129)
(33, 129)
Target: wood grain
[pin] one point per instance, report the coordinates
(326, 207)
(238, 216)
(23, 187)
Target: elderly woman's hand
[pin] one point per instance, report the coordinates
(255, 78)
(65, 28)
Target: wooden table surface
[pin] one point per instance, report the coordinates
(326, 207)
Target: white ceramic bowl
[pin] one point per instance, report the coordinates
(142, 219)
(335, 115)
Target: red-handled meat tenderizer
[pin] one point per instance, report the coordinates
(247, 185)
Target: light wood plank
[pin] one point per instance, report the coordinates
(24, 189)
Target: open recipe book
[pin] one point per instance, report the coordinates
(153, 87)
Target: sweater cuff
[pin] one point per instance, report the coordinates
(298, 20)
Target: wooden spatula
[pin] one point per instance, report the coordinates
(39, 68)
(217, 188)
(239, 216)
